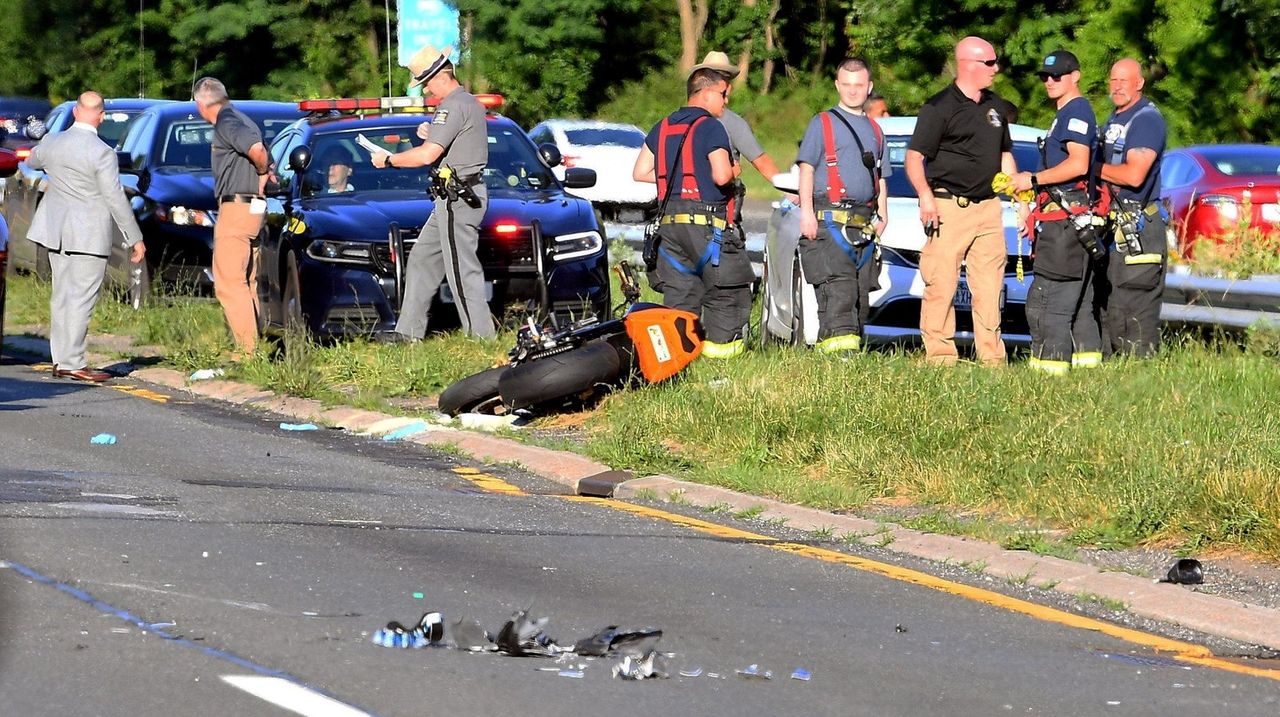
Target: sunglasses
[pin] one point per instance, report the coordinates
(1045, 76)
(989, 63)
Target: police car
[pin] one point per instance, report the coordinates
(790, 312)
(338, 229)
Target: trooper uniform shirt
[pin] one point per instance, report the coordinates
(1141, 125)
(707, 137)
(853, 172)
(459, 127)
(963, 141)
(233, 134)
(742, 141)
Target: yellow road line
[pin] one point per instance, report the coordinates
(1184, 652)
(141, 393)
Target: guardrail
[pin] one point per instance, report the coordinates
(1211, 301)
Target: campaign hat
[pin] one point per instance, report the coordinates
(718, 61)
(426, 62)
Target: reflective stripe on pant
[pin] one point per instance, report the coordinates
(446, 251)
(1064, 330)
(1132, 293)
(973, 235)
(841, 287)
(235, 270)
(721, 296)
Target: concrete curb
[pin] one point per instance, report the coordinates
(1210, 614)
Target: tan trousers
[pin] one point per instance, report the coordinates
(235, 271)
(974, 236)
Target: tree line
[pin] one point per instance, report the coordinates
(1211, 63)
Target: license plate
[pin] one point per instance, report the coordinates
(1271, 212)
(446, 294)
(964, 297)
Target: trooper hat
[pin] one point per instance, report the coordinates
(426, 62)
(717, 61)
(1059, 62)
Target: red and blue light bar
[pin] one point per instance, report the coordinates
(387, 104)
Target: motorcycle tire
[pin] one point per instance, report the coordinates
(472, 392)
(561, 376)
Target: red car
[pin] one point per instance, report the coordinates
(1210, 187)
(8, 162)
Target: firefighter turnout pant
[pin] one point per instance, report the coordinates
(1130, 296)
(1060, 303)
(716, 288)
(842, 283)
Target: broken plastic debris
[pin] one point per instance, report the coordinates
(695, 672)
(521, 636)
(623, 642)
(299, 427)
(428, 631)
(899, 628)
(406, 431)
(1187, 571)
(467, 634)
(753, 673)
(579, 674)
(205, 374)
(631, 667)
(103, 439)
(418, 596)
(801, 674)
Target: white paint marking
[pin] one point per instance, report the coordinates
(292, 697)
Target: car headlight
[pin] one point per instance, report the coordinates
(342, 252)
(573, 246)
(183, 217)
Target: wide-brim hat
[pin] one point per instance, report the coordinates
(717, 61)
(426, 62)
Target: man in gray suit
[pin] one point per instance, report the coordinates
(77, 222)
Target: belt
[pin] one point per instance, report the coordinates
(238, 198)
(843, 216)
(1151, 209)
(472, 181)
(961, 201)
(701, 220)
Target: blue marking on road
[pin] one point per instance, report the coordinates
(154, 627)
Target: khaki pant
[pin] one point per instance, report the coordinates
(235, 271)
(972, 235)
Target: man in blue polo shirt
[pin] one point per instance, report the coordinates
(1133, 146)
(700, 265)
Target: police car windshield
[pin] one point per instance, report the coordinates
(188, 142)
(513, 162)
(1025, 154)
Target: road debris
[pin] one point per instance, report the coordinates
(801, 674)
(1187, 571)
(652, 665)
(753, 673)
(299, 427)
(205, 374)
(405, 431)
(103, 439)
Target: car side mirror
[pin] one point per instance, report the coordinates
(124, 161)
(300, 159)
(550, 154)
(579, 178)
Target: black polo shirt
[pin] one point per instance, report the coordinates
(962, 141)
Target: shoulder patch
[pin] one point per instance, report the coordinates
(442, 116)
(1078, 126)
(994, 118)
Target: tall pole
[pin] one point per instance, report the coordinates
(386, 4)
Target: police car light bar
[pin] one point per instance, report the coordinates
(356, 104)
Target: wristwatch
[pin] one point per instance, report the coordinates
(387, 162)
(1034, 183)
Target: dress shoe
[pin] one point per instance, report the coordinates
(92, 375)
(394, 337)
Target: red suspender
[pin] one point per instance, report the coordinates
(835, 186)
(688, 180)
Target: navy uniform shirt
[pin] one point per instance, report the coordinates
(1141, 125)
(459, 126)
(709, 136)
(853, 172)
(1074, 122)
(233, 134)
(962, 141)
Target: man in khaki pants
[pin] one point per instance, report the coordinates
(963, 134)
(241, 170)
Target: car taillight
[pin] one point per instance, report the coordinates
(23, 154)
(1226, 205)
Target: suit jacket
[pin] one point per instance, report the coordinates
(83, 196)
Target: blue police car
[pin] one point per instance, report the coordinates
(338, 228)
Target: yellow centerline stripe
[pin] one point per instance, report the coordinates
(1182, 651)
(141, 393)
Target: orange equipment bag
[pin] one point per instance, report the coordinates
(666, 339)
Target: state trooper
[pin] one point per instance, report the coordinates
(458, 144)
(843, 205)
(1060, 302)
(1133, 145)
(695, 258)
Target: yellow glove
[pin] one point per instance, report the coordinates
(1003, 184)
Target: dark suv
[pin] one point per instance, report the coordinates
(326, 262)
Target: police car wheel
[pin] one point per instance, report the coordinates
(294, 322)
(765, 337)
(473, 394)
(571, 374)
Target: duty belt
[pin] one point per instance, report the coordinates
(846, 217)
(701, 220)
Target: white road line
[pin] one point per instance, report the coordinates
(292, 696)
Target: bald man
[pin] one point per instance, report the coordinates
(77, 221)
(963, 134)
(1133, 145)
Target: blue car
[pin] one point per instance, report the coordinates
(166, 170)
(326, 264)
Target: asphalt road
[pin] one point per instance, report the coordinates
(211, 563)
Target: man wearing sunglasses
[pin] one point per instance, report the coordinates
(1060, 303)
(964, 137)
(843, 202)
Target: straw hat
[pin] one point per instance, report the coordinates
(719, 62)
(426, 62)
